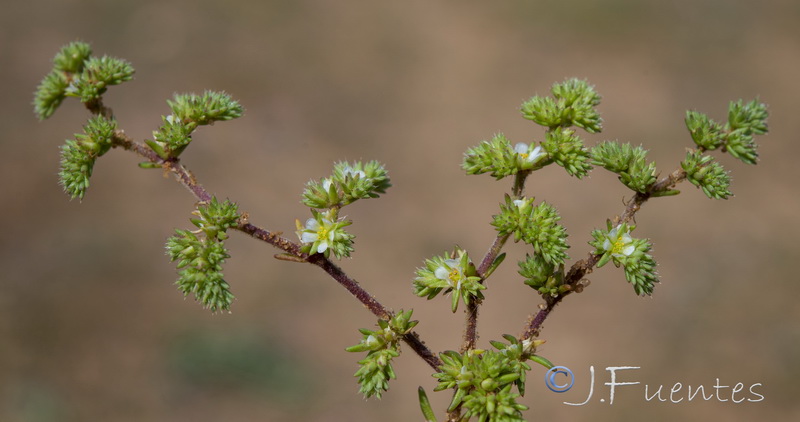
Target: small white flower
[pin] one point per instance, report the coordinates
(349, 171)
(326, 184)
(526, 154)
(319, 234)
(450, 272)
(619, 244)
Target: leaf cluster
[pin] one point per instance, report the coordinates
(545, 277)
(484, 379)
(188, 112)
(382, 346)
(201, 253)
(707, 174)
(537, 226)
(629, 162)
(79, 155)
(97, 75)
(572, 104)
(68, 62)
(348, 183)
(736, 136)
(566, 149)
(500, 159)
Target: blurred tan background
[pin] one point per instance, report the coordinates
(92, 327)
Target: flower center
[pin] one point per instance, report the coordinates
(322, 232)
(454, 275)
(618, 246)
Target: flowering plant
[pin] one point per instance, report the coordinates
(485, 383)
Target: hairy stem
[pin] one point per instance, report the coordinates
(187, 179)
(585, 266)
(471, 324)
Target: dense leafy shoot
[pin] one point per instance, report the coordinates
(200, 254)
(707, 174)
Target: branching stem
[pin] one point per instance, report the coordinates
(585, 266)
(187, 179)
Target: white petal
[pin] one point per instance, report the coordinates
(441, 273)
(307, 237)
(519, 203)
(626, 238)
(521, 148)
(535, 154)
(322, 246)
(607, 245)
(312, 224)
(628, 250)
(326, 184)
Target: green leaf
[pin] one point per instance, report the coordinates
(425, 405)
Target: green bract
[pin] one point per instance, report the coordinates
(452, 273)
(707, 174)
(200, 258)
(573, 104)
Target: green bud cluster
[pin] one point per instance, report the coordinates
(629, 162)
(500, 159)
(188, 112)
(573, 104)
(97, 75)
(537, 226)
(79, 155)
(543, 276)
(616, 245)
(452, 273)
(736, 136)
(567, 150)
(707, 174)
(484, 379)
(201, 253)
(348, 183)
(68, 62)
(382, 346)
